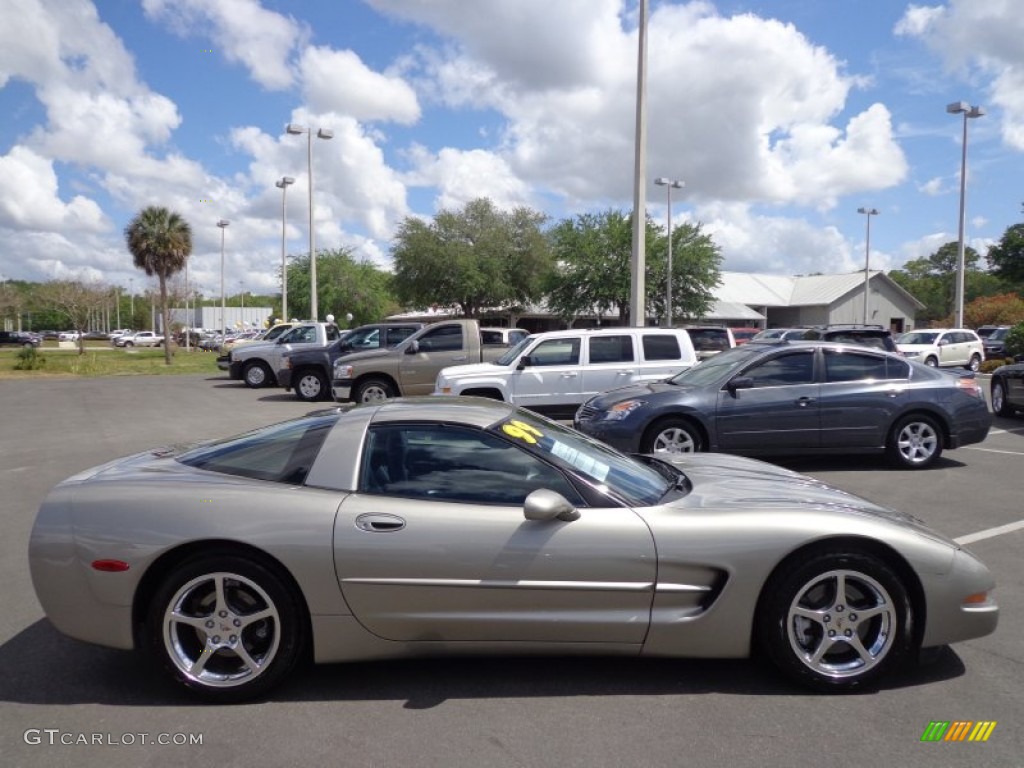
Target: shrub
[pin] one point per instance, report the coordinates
(1015, 341)
(29, 360)
(990, 365)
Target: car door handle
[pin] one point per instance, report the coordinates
(803, 402)
(459, 359)
(626, 373)
(380, 523)
(568, 376)
(894, 392)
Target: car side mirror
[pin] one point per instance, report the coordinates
(544, 504)
(524, 362)
(740, 382)
(413, 348)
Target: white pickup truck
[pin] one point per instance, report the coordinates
(555, 372)
(257, 363)
(139, 339)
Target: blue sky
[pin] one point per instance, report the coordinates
(782, 117)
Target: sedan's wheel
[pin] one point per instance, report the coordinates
(974, 363)
(671, 436)
(836, 620)
(932, 361)
(256, 375)
(999, 404)
(226, 627)
(311, 386)
(374, 391)
(915, 442)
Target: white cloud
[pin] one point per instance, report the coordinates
(464, 176)
(339, 81)
(933, 187)
(29, 199)
(241, 30)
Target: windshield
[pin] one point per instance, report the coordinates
(509, 357)
(919, 337)
(609, 470)
(716, 367)
(999, 334)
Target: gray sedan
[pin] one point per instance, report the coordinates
(463, 525)
(796, 397)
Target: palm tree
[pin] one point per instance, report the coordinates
(160, 241)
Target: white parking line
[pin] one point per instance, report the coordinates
(990, 533)
(996, 450)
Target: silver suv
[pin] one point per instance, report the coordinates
(943, 347)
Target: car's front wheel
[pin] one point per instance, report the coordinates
(256, 374)
(932, 361)
(835, 620)
(915, 442)
(374, 391)
(311, 386)
(673, 435)
(999, 404)
(226, 627)
(974, 363)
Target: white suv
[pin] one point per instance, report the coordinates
(555, 372)
(943, 347)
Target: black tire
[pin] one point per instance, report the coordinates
(28, 345)
(311, 385)
(129, 344)
(915, 442)
(672, 435)
(808, 622)
(256, 374)
(374, 391)
(229, 656)
(974, 364)
(999, 404)
(932, 362)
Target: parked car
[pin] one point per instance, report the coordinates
(995, 343)
(743, 335)
(68, 336)
(139, 339)
(984, 331)
(96, 336)
(554, 372)
(943, 348)
(430, 526)
(802, 397)
(210, 342)
(709, 340)
(1007, 388)
(780, 334)
(309, 371)
(847, 333)
(20, 339)
(257, 363)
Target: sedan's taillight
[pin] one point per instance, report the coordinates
(971, 387)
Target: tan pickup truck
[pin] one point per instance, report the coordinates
(411, 368)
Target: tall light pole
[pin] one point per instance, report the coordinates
(968, 111)
(868, 212)
(669, 185)
(241, 294)
(223, 223)
(131, 290)
(321, 133)
(637, 262)
(188, 323)
(283, 186)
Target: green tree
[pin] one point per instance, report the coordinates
(477, 258)
(593, 253)
(160, 241)
(344, 286)
(77, 302)
(1006, 258)
(932, 280)
(1015, 341)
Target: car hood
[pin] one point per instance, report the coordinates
(355, 357)
(640, 391)
(471, 369)
(724, 481)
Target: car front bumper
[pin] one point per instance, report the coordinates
(284, 378)
(622, 435)
(342, 390)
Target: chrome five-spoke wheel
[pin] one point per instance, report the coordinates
(915, 442)
(671, 436)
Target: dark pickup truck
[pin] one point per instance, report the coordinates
(308, 371)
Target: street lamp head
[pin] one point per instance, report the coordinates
(223, 223)
(295, 129)
(284, 182)
(663, 181)
(868, 211)
(958, 107)
(324, 133)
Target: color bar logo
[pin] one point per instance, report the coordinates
(958, 730)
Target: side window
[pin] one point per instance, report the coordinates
(611, 349)
(853, 366)
(446, 338)
(301, 335)
(793, 368)
(333, 334)
(398, 335)
(896, 369)
(455, 464)
(556, 352)
(661, 346)
(491, 337)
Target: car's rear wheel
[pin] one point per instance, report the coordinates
(999, 404)
(226, 627)
(915, 442)
(836, 620)
(974, 363)
(374, 391)
(129, 344)
(673, 435)
(311, 386)
(932, 361)
(256, 374)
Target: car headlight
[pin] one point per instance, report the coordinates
(619, 411)
(342, 371)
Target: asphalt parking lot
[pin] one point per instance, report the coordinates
(494, 712)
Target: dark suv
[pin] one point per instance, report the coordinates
(19, 339)
(866, 335)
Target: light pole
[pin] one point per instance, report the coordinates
(638, 258)
(131, 290)
(669, 185)
(322, 133)
(241, 294)
(868, 212)
(283, 186)
(188, 322)
(223, 223)
(968, 111)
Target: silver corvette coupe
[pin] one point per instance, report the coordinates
(437, 526)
